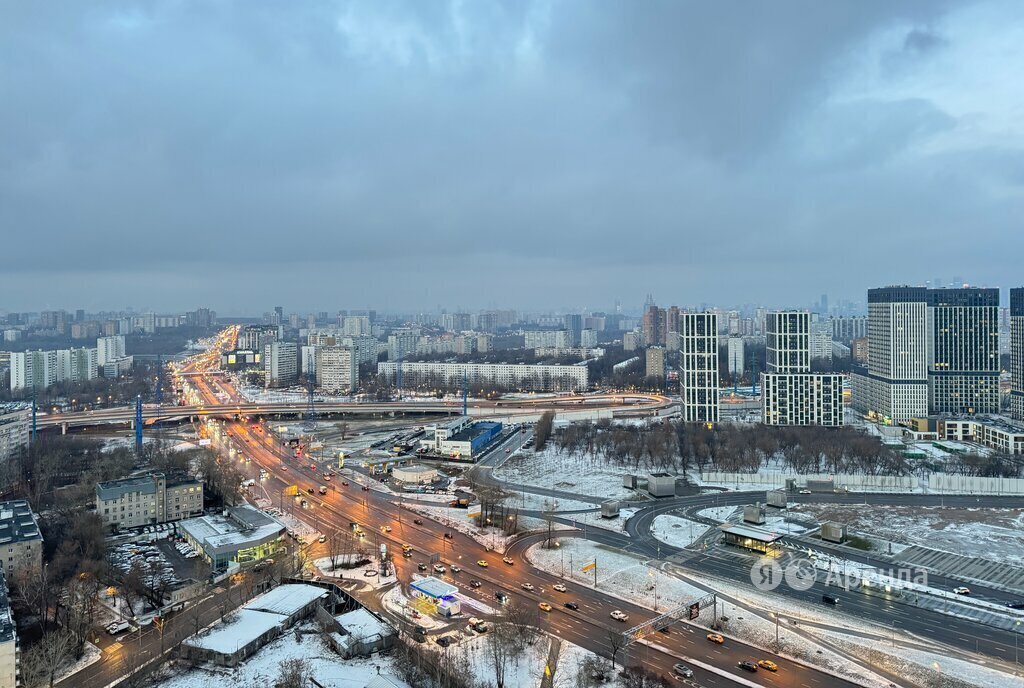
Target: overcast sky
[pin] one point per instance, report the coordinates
(525, 154)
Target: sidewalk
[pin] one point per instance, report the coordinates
(549, 669)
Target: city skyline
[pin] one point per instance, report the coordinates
(405, 156)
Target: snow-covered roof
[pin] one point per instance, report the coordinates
(242, 527)
(433, 587)
(228, 638)
(286, 599)
(758, 534)
(362, 625)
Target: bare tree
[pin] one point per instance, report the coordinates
(44, 660)
(501, 650)
(615, 644)
(294, 673)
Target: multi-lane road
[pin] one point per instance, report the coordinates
(589, 626)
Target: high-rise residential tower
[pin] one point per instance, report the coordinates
(698, 366)
(894, 385)
(791, 394)
(1017, 353)
(963, 350)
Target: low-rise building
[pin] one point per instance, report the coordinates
(147, 499)
(417, 475)
(460, 438)
(21, 542)
(240, 534)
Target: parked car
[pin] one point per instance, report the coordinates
(444, 641)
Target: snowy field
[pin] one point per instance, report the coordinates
(987, 533)
(676, 531)
(263, 668)
(525, 670)
(586, 475)
(593, 519)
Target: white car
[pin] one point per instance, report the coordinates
(438, 568)
(559, 587)
(618, 616)
(527, 586)
(805, 491)
(962, 590)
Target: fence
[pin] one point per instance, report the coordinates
(935, 483)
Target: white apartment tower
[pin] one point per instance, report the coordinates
(790, 393)
(280, 364)
(109, 349)
(336, 369)
(698, 366)
(734, 354)
(788, 342)
(894, 386)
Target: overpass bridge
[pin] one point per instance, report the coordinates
(621, 405)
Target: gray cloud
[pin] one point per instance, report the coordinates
(351, 154)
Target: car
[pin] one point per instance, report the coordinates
(407, 554)
(480, 626)
(501, 597)
(456, 569)
(322, 538)
(474, 583)
(805, 491)
(747, 666)
(559, 587)
(344, 483)
(544, 607)
(443, 641)
(449, 535)
(418, 521)
(439, 569)
(508, 560)
(962, 590)
(830, 599)
(283, 467)
(682, 671)
(386, 529)
(360, 533)
(327, 476)
(571, 605)
(421, 567)
(365, 488)
(716, 638)
(618, 616)
(527, 586)
(481, 563)
(767, 665)
(309, 490)
(1015, 604)
(406, 547)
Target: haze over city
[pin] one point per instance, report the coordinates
(538, 154)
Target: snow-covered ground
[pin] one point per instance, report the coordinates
(719, 513)
(987, 533)
(594, 519)
(587, 475)
(532, 502)
(525, 670)
(676, 531)
(456, 519)
(263, 668)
